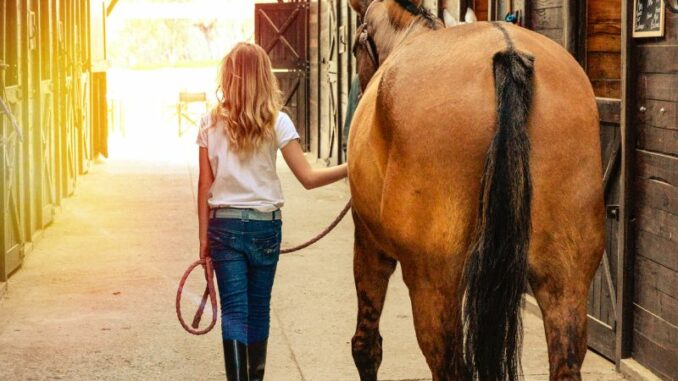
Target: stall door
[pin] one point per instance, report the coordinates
(598, 48)
(69, 97)
(282, 30)
(83, 91)
(601, 50)
(45, 121)
(336, 36)
(602, 304)
(11, 134)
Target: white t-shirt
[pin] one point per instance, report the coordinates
(244, 183)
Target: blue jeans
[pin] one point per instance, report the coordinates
(245, 255)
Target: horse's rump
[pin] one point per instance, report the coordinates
(417, 150)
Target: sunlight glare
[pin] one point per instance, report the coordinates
(157, 49)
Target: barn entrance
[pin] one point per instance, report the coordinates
(164, 58)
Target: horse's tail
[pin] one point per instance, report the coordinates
(495, 273)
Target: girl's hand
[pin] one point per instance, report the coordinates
(204, 251)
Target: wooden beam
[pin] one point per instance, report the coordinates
(625, 264)
(110, 7)
(570, 26)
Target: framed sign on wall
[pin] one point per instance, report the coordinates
(648, 18)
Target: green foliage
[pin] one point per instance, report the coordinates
(135, 41)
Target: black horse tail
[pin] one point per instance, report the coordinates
(495, 273)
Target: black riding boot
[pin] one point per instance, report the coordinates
(235, 357)
(257, 357)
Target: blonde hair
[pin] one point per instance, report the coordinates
(251, 98)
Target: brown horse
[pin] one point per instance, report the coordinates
(474, 161)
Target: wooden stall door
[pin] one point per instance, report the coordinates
(30, 100)
(83, 123)
(332, 61)
(599, 49)
(591, 30)
(546, 17)
(45, 122)
(602, 304)
(335, 74)
(69, 97)
(282, 30)
(11, 220)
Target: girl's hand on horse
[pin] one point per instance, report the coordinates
(310, 177)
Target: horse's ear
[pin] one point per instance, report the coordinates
(360, 6)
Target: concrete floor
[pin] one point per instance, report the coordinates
(94, 300)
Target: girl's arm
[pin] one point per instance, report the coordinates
(205, 180)
(308, 177)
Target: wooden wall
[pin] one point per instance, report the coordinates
(546, 17)
(655, 302)
(603, 47)
(332, 27)
(653, 99)
(480, 7)
(46, 85)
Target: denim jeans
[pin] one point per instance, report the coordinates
(245, 255)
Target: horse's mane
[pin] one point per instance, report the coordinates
(421, 12)
(426, 16)
(423, 19)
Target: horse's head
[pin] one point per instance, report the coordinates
(384, 24)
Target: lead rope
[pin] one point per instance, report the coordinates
(210, 292)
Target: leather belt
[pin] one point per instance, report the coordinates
(245, 214)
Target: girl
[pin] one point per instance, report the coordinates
(239, 200)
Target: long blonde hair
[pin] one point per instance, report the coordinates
(251, 98)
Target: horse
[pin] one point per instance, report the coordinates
(474, 162)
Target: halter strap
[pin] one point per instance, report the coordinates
(410, 7)
(365, 38)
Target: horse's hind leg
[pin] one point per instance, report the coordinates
(372, 270)
(437, 321)
(561, 289)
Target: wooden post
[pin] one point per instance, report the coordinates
(340, 83)
(625, 270)
(570, 26)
